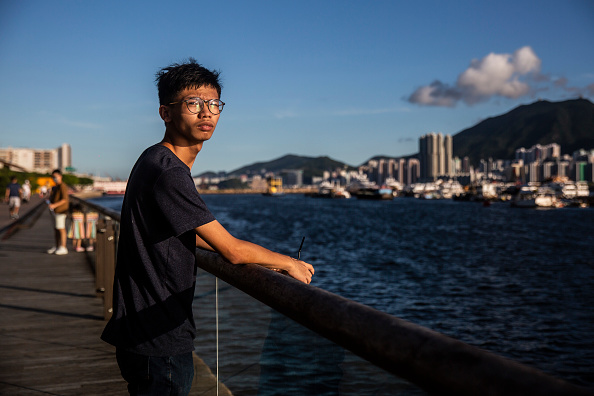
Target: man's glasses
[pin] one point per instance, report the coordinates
(195, 105)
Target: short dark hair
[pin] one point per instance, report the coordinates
(176, 77)
(58, 171)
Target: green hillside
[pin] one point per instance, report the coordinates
(311, 166)
(569, 124)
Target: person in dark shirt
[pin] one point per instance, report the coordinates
(163, 220)
(13, 196)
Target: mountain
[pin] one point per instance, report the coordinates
(569, 124)
(311, 166)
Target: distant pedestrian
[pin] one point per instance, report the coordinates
(76, 232)
(26, 191)
(59, 204)
(91, 229)
(13, 196)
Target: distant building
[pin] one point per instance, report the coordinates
(539, 152)
(37, 160)
(448, 163)
(292, 177)
(436, 156)
(542, 163)
(413, 171)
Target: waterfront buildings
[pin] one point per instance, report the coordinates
(385, 170)
(37, 160)
(540, 163)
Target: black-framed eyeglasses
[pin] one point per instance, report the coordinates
(195, 105)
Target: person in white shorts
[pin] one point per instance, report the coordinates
(14, 193)
(58, 204)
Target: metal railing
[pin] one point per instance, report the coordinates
(108, 227)
(428, 359)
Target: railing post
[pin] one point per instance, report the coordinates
(108, 268)
(100, 256)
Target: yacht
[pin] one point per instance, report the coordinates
(546, 198)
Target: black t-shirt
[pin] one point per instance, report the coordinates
(155, 273)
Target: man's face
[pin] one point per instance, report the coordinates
(190, 128)
(57, 178)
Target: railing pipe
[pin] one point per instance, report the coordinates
(432, 361)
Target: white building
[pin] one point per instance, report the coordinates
(37, 160)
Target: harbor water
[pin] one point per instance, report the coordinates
(516, 282)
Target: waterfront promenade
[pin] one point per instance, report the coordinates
(51, 318)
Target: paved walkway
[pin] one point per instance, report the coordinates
(6, 221)
(51, 319)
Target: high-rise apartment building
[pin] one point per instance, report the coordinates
(436, 156)
(413, 171)
(37, 160)
(448, 145)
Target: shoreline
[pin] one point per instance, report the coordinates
(256, 192)
(96, 193)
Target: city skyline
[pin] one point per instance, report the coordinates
(350, 82)
(434, 160)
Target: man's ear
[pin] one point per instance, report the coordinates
(165, 113)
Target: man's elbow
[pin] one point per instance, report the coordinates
(234, 258)
(235, 254)
(234, 251)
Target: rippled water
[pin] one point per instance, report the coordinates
(518, 282)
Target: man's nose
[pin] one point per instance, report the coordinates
(204, 111)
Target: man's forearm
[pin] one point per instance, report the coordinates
(201, 243)
(238, 251)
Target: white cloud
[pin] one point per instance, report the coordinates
(505, 75)
(525, 61)
(436, 94)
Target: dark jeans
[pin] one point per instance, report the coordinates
(156, 375)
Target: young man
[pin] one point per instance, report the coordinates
(59, 204)
(13, 196)
(163, 220)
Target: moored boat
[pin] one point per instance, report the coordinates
(375, 193)
(545, 198)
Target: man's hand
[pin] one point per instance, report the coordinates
(301, 270)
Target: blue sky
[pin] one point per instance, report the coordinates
(347, 79)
